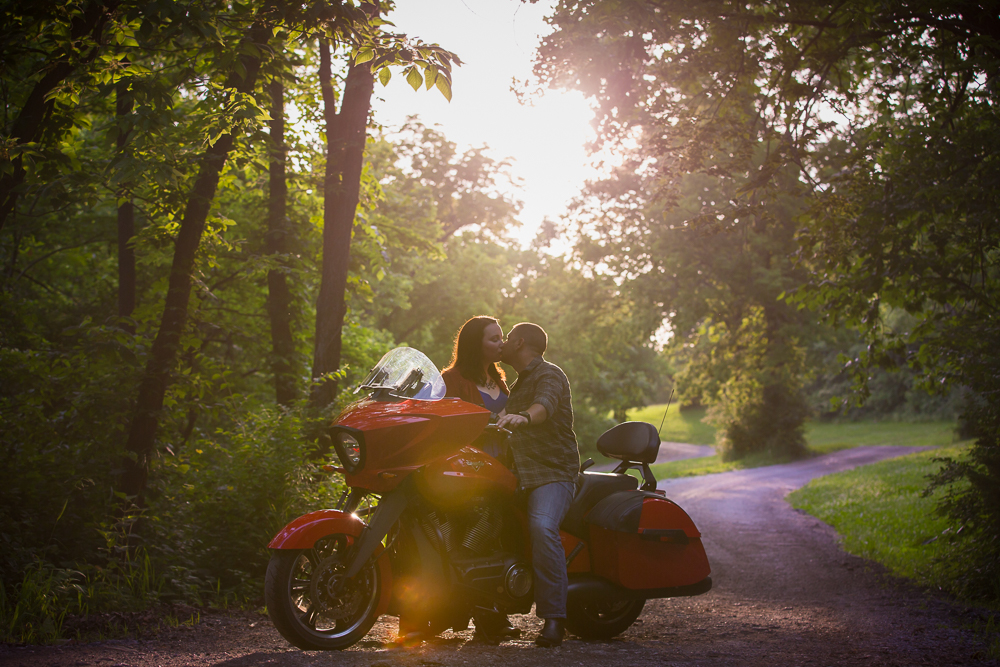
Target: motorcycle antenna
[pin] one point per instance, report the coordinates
(662, 421)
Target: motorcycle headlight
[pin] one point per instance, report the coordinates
(350, 447)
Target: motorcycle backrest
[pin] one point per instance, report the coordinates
(631, 441)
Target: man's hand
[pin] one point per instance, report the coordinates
(536, 414)
(512, 421)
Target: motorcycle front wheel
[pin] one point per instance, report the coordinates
(312, 605)
(602, 620)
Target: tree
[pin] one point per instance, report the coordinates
(599, 333)
(60, 44)
(450, 213)
(888, 111)
(126, 212)
(169, 116)
(241, 80)
(346, 134)
(279, 296)
(468, 189)
(714, 280)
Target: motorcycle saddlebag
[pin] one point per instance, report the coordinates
(641, 540)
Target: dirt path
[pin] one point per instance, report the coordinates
(785, 594)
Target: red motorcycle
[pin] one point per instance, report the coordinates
(448, 540)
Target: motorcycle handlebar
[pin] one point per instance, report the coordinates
(498, 429)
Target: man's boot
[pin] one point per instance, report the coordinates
(492, 625)
(552, 633)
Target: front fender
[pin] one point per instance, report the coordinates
(303, 532)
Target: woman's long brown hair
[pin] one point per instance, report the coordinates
(467, 355)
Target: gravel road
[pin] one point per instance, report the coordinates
(785, 594)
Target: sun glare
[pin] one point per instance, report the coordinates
(496, 42)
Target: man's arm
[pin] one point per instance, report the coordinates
(536, 412)
(551, 386)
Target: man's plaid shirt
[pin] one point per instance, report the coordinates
(546, 452)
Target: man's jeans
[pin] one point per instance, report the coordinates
(547, 507)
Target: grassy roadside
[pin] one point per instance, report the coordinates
(880, 514)
(822, 438)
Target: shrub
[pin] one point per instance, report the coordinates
(972, 502)
(588, 427)
(760, 407)
(219, 501)
(63, 413)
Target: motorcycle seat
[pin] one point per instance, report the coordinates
(591, 488)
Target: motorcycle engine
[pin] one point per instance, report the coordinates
(474, 532)
(472, 540)
(504, 579)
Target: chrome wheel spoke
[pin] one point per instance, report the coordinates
(309, 618)
(325, 605)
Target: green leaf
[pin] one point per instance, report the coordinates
(414, 79)
(364, 55)
(430, 76)
(385, 75)
(444, 86)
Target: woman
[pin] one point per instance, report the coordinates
(473, 374)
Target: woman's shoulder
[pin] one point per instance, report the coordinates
(459, 386)
(452, 374)
(453, 378)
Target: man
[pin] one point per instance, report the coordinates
(547, 461)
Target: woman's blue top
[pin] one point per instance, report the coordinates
(494, 404)
(493, 446)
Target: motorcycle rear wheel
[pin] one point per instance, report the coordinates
(602, 620)
(310, 604)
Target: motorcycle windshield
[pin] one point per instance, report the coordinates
(404, 373)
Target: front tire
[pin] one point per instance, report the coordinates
(602, 620)
(309, 602)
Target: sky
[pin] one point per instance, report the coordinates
(496, 40)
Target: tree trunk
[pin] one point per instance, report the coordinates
(126, 219)
(279, 296)
(140, 445)
(345, 140)
(30, 121)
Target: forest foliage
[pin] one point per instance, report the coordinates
(838, 157)
(190, 281)
(166, 346)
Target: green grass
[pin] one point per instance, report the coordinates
(686, 426)
(830, 437)
(710, 464)
(822, 438)
(880, 514)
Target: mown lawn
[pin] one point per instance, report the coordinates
(686, 426)
(828, 437)
(822, 438)
(881, 514)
